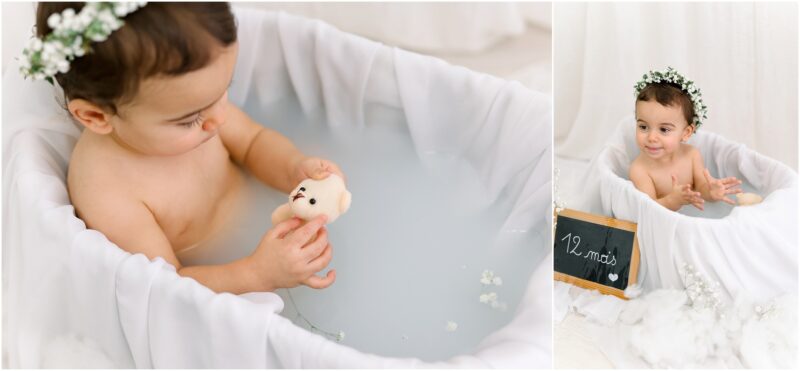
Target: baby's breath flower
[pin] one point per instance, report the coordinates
(44, 58)
(451, 326)
(672, 76)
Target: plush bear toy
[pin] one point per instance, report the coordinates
(314, 197)
(745, 199)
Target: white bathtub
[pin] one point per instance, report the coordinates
(749, 250)
(62, 281)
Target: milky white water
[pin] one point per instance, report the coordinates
(409, 253)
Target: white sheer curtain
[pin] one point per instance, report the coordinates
(743, 56)
(426, 27)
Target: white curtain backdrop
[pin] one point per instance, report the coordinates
(743, 56)
(425, 27)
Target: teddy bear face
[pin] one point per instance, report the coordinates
(315, 197)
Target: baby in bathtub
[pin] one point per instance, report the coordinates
(668, 111)
(157, 168)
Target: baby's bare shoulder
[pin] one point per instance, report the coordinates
(97, 176)
(689, 150)
(638, 167)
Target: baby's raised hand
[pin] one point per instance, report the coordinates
(315, 168)
(719, 189)
(685, 194)
(289, 255)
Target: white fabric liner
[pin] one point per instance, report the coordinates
(62, 281)
(751, 250)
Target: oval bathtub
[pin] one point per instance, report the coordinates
(450, 174)
(749, 250)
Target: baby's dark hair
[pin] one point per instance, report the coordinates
(160, 39)
(668, 94)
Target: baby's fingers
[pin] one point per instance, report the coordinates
(283, 228)
(303, 234)
(731, 180)
(699, 205)
(316, 247)
(733, 191)
(332, 168)
(322, 260)
(728, 200)
(317, 282)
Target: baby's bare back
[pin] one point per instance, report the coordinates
(190, 196)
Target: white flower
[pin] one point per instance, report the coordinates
(53, 52)
(53, 20)
(670, 75)
(486, 277)
(63, 66)
(497, 281)
(451, 326)
(35, 44)
(24, 62)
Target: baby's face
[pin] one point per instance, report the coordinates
(660, 129)
(174, 115)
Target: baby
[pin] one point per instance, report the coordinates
(668, 111)
(157, 167)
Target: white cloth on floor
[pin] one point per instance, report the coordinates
(62, 280)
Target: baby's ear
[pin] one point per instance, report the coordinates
(344, 202)
(91, 116)
(688, 131)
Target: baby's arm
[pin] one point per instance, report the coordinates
(710, 188)
(680, 195)
(270, 156)
(284, 258)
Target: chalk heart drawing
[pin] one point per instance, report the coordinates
(613, 277)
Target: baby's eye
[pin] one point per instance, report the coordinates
(312, 201)
(194, 122)
(302, 189)
(642, 127)
(665, 130)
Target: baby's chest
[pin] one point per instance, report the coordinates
(662, 177)
(193, 200)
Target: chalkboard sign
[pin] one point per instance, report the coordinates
(595, 252)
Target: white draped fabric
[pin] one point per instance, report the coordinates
(752, 249)
(743, 56)
(428, 27)
(62, 281)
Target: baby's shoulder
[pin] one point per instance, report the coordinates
(96, 172)
(638, 168)
(690, 151)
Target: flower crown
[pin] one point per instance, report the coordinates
(72, 37)
(671, 76)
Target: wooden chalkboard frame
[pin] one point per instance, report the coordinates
(609, 222)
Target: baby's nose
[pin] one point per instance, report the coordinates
(216, 115)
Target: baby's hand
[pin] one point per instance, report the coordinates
(719, 189)
(685, 194)
(315, 168)
(290, 255)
